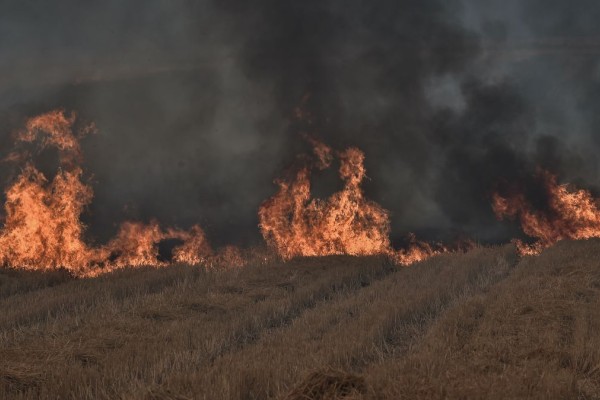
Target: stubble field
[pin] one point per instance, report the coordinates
(483, 324)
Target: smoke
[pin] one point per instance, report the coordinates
(195, 102)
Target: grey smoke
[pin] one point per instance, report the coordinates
(194, 101)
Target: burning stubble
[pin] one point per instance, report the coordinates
(568, 214)
(43, 227)
(345, 223)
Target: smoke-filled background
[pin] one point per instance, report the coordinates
(195, 102)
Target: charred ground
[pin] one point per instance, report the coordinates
(484, 324)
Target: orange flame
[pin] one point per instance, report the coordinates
(42, 228)
(419, 251)
(571, 214)
(346, 223)
(195, 249)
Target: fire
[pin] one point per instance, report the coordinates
(136, 245)
(195, 248)
(419, 251)
(56, 129)
(295, 224)
(42, 227)
(570, 214)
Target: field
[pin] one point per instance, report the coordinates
(484, 324)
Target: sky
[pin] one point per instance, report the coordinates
(194, 102)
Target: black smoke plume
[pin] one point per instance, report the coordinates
(194, 102)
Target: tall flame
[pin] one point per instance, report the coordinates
(570, 214)
(43, 230)
(295, 224)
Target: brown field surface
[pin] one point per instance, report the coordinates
(484, 324)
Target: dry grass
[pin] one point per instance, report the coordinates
(329, 384)
(533, 335)
(475, 325)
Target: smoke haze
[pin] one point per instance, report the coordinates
(194, 102)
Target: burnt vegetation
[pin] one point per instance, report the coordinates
(481, 324)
